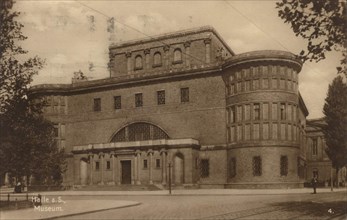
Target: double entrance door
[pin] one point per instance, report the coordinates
(126, 171)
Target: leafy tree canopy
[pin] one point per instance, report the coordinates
(27, 145)
(335, 111)
(322, 22)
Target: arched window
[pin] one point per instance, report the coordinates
(138, 62)
(157, 59)
(139, 132)
(177, 56)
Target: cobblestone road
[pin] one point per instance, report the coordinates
(297, 206)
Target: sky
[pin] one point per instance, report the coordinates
(70, 35)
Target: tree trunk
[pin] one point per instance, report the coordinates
(337, 177)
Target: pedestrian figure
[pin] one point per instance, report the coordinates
(314, 184)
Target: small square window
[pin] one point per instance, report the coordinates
(161, 97)
(184, 94)
(157, 163)
(117, 102)
(138, 100)
(145, 164)
(97, 104)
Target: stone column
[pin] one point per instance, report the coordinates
(112, 155)
(147, 54)
(207, 42)
(138, 164)
(164, 165)
(150, 152)
(91, 161)
(102, 155)
(133, 170)
(187, 46)
(128, 56)
(119, 167)
(167, 58)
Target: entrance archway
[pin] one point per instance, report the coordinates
(178, 169)
(84, 171)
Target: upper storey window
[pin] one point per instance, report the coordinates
(97, 104)
(177, 56)
(138, 62)
(157, 59)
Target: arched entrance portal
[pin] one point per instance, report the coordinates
(84, 171)
(178, 169)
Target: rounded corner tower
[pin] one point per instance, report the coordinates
(263, 111)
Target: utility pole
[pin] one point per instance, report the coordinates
(170, 177)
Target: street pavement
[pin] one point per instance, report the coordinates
(188, 204)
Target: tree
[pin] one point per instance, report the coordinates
(322, 22)
(27, 145)
(335, 111)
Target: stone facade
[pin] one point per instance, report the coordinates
(184, 103)
(317, 161)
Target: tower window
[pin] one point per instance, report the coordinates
(256, 113)
(177, 56)
(138, 62)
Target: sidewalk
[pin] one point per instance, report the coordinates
(184, 192)
(66, 208)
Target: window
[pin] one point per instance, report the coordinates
(256, 166)
(56, 131)
(239, 113)
(284, 165)
(138, 100)
(274, 83)
(265, 111)
(247, 132)
(157, 59)
(274, 111)
(108, 165)
(145, 164)
(184, 94)
(157, 163)
(232, 114)
(247, 112)
(117, 102)
(97, 165)
(265, 83)
(204, 168)
(256, 113)
(97, 104)
(247, 85)
(138, 62)
(161, 97)
(283, 111)
(255, 84)
(232, 168)
(314, 146)
(256, 131)
(177, 56)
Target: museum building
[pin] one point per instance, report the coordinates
(183, 103)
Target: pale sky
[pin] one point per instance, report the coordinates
(61, 33)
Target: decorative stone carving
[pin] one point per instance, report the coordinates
(187, 44)
(128, 54)
(147, 51)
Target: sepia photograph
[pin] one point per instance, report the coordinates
(159, 109)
